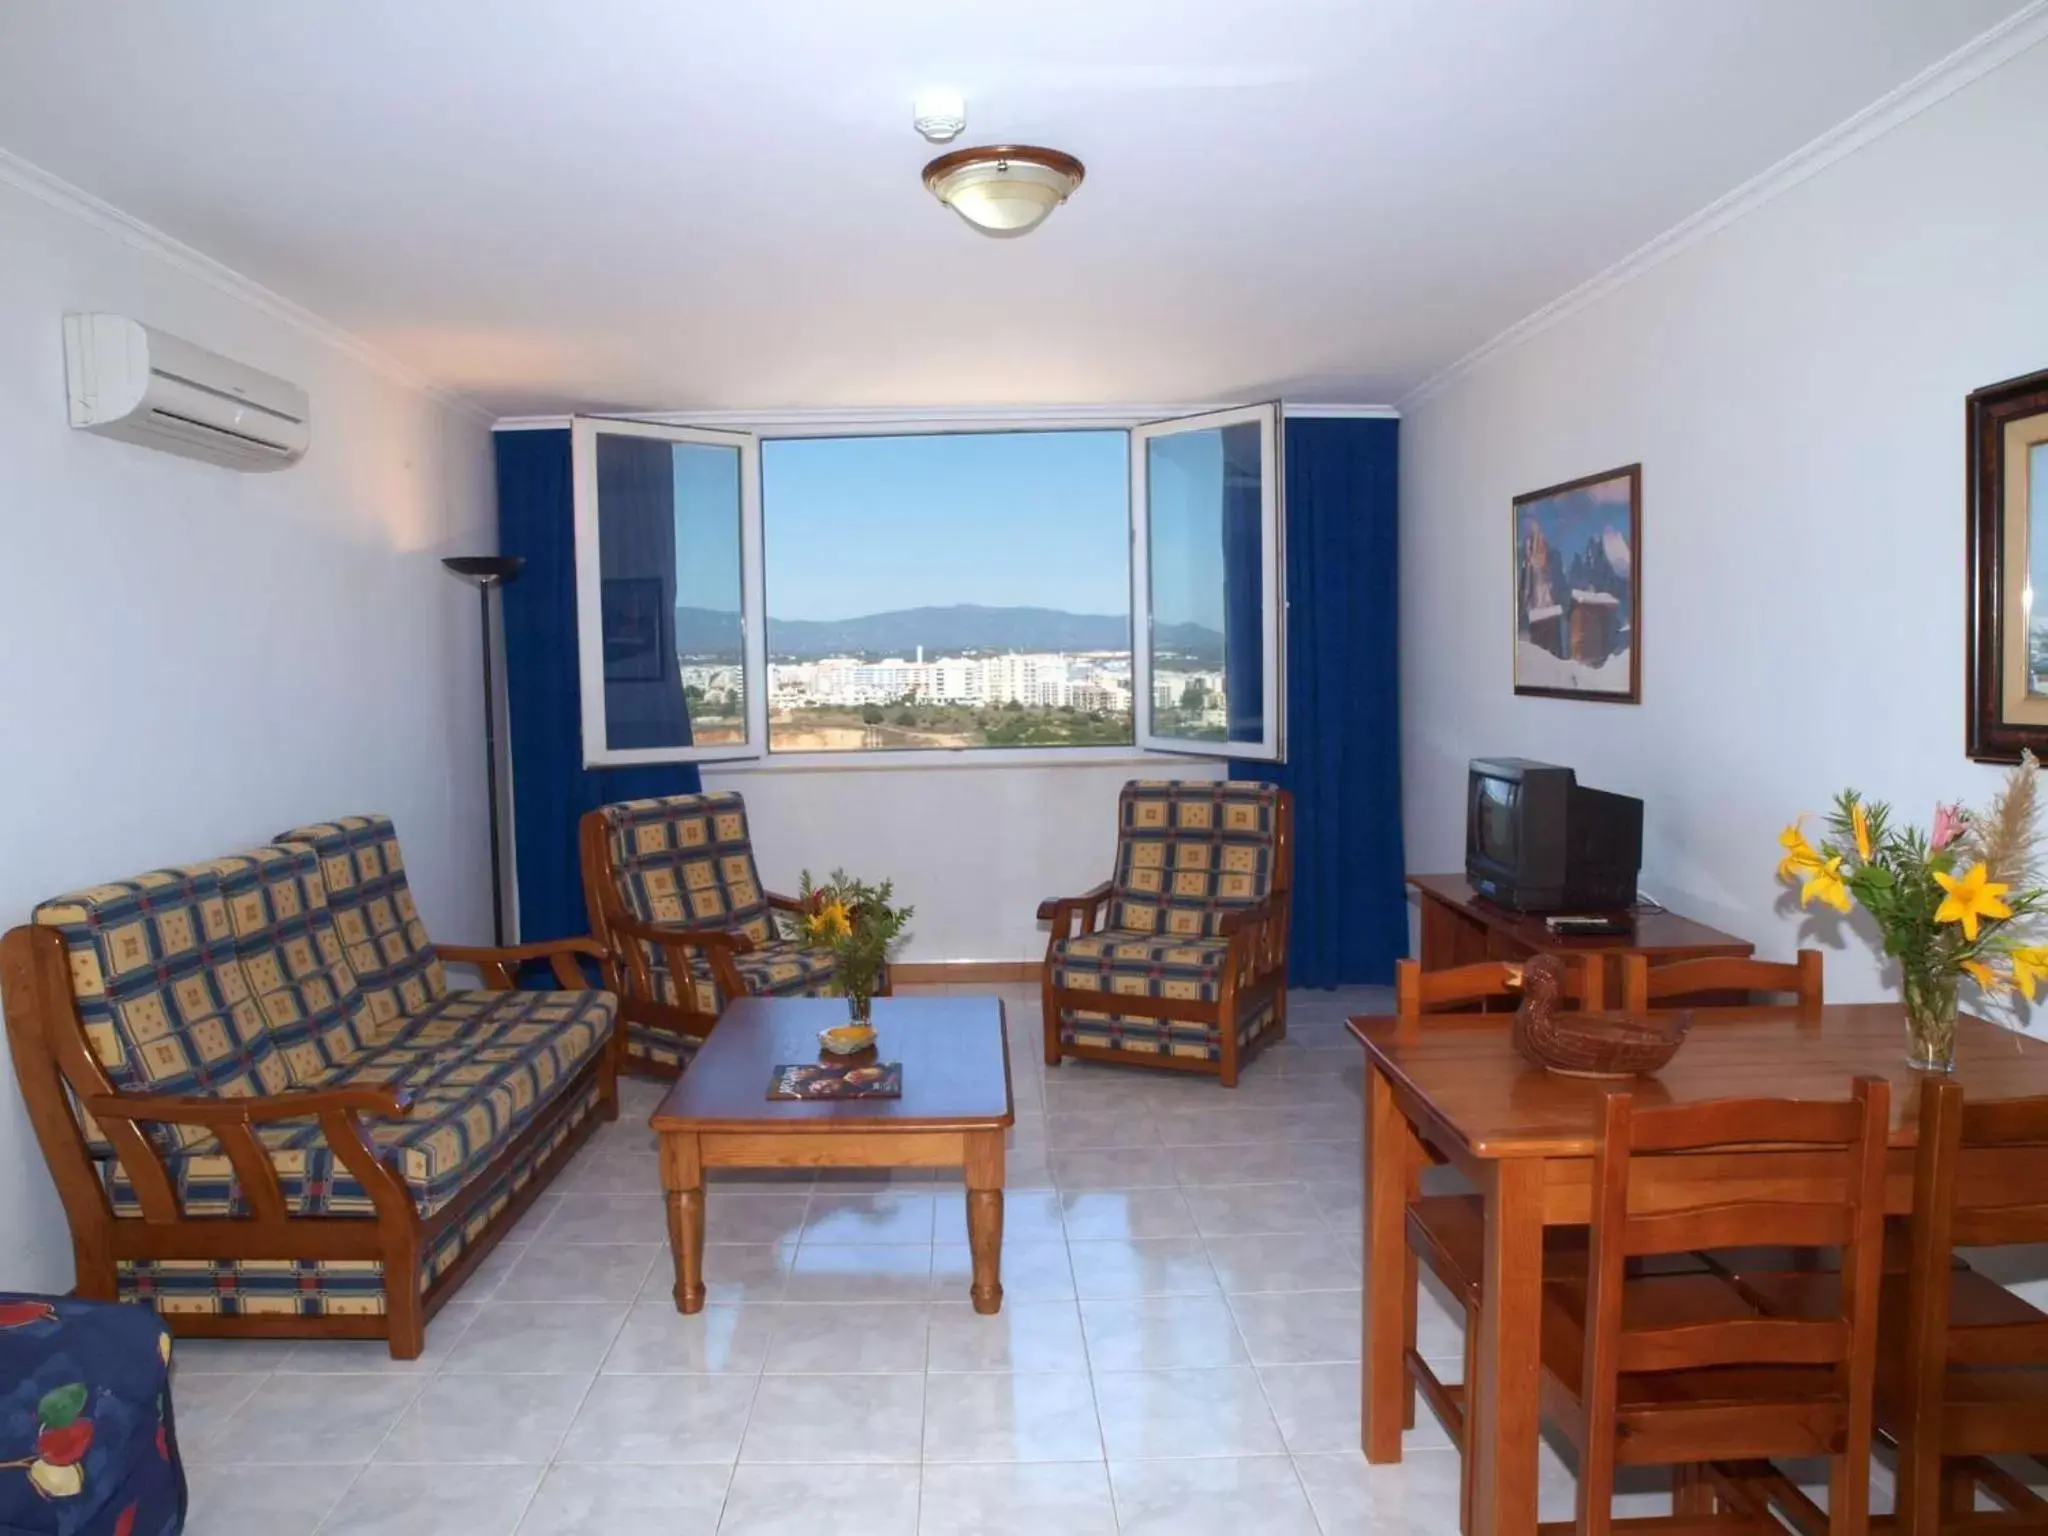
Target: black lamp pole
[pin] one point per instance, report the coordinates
(489, 571)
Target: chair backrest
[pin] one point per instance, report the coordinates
(1189, 852)
(1839, 1204)
(394, 961)
(161, 991)
(1980, 1180)
(1417, 991)
(685, 860)
(1723, 978)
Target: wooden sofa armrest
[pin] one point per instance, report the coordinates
(1258, 939)
(500, 963)
(385, 1103)
(718, 944)
(233, 1122)
(781, 903)
(1086, 903)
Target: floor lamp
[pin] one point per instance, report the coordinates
(488, 571)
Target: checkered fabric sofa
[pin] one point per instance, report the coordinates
(221, 1059)
(673, 892)
(1179, 959)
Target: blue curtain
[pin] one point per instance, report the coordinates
(551, 789)
(1343, 702)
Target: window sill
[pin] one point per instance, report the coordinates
(916, 759)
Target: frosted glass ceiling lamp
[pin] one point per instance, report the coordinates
(1005, 190)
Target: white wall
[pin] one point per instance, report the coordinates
(1793, 386)
(192, 660)
(976, 849)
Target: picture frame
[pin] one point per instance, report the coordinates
(1577, 562)
(635, 628)
(2005, 705)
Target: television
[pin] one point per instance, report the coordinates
(1537, 840)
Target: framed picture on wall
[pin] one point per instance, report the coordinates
(2006, 706)
(1578, 574)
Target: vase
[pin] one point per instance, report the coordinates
(860, 1007)
(1930, 1022)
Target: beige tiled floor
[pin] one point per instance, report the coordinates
(1177, 1350)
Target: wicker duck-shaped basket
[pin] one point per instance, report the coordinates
(1589, 1044)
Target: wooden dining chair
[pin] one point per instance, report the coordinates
(1720, 980)
(1966, 1377)
(1448, 1232)
(1686, 1369)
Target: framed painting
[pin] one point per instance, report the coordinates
(1578, 585)
(2006, 708)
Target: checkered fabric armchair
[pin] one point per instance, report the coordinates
(674, 895)
(267, 1111)
(1179, 960)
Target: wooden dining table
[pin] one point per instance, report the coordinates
(1526, 1137)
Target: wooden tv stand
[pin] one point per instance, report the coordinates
(1460, 926)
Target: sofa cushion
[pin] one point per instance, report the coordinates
(381, 933)
(317, 1016)
(162, 992)
(1141, 965)
(478, 1065)
(688, 860)
(1189, 852)
(781, 968)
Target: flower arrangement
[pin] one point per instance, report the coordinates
(859, 924)
(1960, 899)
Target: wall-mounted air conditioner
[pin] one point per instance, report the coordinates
(131, 382)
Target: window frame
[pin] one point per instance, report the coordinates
(1272, 744)
(753, 756)
(584, 432)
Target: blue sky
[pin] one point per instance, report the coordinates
(860, 525)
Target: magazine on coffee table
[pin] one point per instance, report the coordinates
(838, 1080)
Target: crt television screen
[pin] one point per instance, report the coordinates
(1493, 819)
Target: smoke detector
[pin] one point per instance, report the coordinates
(939, 114)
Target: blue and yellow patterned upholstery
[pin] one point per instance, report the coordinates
(162, 993)
(299, 980)
(1189, 852)
(688, 860)
(332, 1287)
(380, 930)
(477, 1065)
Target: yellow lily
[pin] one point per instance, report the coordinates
(1984, 976)
(1800, 855)
(1971, 897)
(832, 922)
(2029, 970)
(1824, 880)
(1859, 823)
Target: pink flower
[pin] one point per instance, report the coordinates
(1949, 821)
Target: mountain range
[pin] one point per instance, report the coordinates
(950, 631)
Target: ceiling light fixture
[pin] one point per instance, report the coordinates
(1005, 190)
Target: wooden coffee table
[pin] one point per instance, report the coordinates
(954, 1110)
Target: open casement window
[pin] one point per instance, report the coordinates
(670, 639)
(1206, 584)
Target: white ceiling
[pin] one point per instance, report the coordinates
(663, 204)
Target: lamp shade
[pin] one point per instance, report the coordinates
(1006, 190)
(485, 569)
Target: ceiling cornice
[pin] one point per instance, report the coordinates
(151, 241)
(934, 418)
(1977, 58)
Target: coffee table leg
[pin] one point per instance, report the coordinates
(682, 1176)
(985, 1217)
